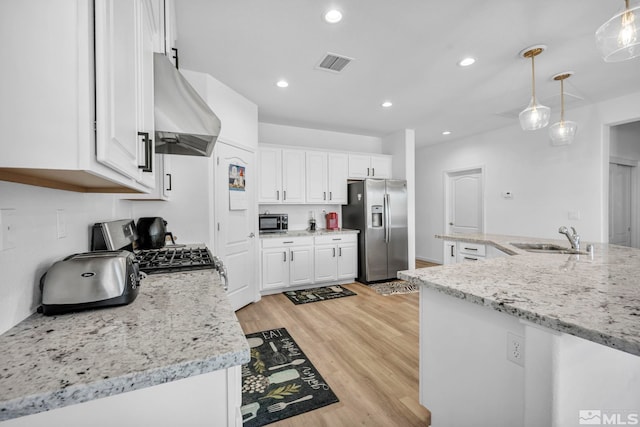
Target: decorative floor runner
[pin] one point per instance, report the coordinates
(318, 294)
(279, 381)
(394, 288)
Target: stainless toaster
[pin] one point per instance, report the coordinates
(90, 280)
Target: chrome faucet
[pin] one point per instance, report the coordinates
(573, 237)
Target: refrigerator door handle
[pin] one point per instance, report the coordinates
(387, 218)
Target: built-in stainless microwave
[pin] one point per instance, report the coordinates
(273, 223)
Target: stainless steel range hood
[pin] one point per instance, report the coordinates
(184, 123)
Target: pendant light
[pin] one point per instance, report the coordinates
(535, 116)
(618, 39)
(562, 132)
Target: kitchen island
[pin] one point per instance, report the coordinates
(530, 339)
(175, 350)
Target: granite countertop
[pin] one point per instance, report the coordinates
(180, 325)
(595, 297)
(307, 233)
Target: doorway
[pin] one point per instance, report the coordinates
(622, 202)
(464, 203)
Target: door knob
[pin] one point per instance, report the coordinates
(252, 235)
(450, 223)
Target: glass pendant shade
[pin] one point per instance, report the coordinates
(618, 39)
(563, 132)
(535, 116)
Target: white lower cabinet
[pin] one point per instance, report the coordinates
(289, 262)
(450, 252)
(335, 257)
(210, 399)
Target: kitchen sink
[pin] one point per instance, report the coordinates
(547, 248)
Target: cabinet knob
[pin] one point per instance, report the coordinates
(252, 235)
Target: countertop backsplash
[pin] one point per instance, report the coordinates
(46, 225)
(299, 214)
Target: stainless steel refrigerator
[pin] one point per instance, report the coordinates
(378, 208)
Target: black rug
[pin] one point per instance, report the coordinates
(318, 294)
(279, 381)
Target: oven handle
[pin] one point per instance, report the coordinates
(222, 270)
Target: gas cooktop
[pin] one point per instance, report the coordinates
(152, 261)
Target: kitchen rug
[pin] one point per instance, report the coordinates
(318, 294)
(394, 288)
(279, 381)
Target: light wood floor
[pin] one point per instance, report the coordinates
(423, 264)
(365, 347)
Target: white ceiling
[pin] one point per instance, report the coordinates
(404, 51)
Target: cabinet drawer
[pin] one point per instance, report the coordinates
(472, 248)
(278, 242)
(336, 238)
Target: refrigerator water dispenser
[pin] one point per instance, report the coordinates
(376, 216)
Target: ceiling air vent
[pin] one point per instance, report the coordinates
(334, 63)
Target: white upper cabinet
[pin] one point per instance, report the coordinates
(337, 175)
(282, 176)
(164, 181)
(363, 166)
(164, 28)
(270, 175)
(293, 176)
(124, 88)
(47, 114)
(316, 168)
(326, 177)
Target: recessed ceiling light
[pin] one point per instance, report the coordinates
(465, 62)
(446, 132)
(282, 83)
(387, 104)
(333, 16)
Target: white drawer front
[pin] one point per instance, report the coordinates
(336, 238)
(472, 248)
(286, 241)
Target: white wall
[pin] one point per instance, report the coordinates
(625, 141)
(401, 145)
(314, 138)
(37, 245)
(547, 182)
(188, 212)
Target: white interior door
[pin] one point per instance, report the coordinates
(620, 187)
(235, 213)
(465, 202)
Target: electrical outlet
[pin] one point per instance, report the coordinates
(61, 223)
(515, 348)
(7, 229)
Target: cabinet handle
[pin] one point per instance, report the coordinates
(337, 238)
(373, 171)
(285, 256)
(277, 194)
(148, 148)
(288, 241)
(470, 259)
(284, 194)
(170, 182)
(291, 256)
(324, 195)
(330, 195)
(175, 55)
(452, 255)
(334, 252)
(471, 249)
(339, 251)
(367, 171)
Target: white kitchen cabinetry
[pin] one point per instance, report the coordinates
(70, 94)
(363, 166)
(450, 252)
(470, 252)
(287, 262)
(335, 257)
(164, 181)
(165, 31)
(326, 177)
(282, 176)
(212, 398)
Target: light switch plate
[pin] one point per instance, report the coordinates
(7, 229)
